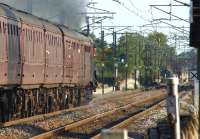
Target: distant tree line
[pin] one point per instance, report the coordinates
(150, 57)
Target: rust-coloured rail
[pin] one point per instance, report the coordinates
(43, 116)
(127, 122)
(77, 124)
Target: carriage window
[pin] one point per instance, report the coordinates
(73, 45)
(37, 36)
(4, 27)
(29, 35)
(40, 37)
(26, 34)
(8, 28)
(34, 38)
(0, 27)
(48, 38)
(11, 29)
(51, 40)
(16, 30)
(55, 41)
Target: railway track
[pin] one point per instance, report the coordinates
(115, 98)
(27, 128)
(124, 124)
(148, 119)
(90, 126)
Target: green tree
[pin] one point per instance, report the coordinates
(148, 55)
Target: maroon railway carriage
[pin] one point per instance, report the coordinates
(44, 67)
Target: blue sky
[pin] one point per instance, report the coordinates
(141, 13)
(142, 8)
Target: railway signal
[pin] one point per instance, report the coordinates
(195, 23)
(194, 32)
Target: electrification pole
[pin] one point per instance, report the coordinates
(115, 61)
(126, 64)
(135, 70)
(102, 64)
(88, 25)
(139, 64)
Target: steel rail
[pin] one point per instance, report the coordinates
(129, 120)
(44, 116)
(57, 131)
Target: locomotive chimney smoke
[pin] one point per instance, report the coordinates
(60, 11)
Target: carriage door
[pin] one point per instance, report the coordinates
(13, 52)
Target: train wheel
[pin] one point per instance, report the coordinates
(65, 99)
(35, 101)
(74, 100)
(29, 110)
(77, 97)
(50, 104)
(56, 102)
(12, 103)
(18, 103)
(25, 103)
(60, 102)
(43, 100)
(4, 108)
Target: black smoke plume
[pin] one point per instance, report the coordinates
(60, 11)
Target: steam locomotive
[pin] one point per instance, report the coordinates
(44, 67)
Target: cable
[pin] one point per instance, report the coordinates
(130, 10)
